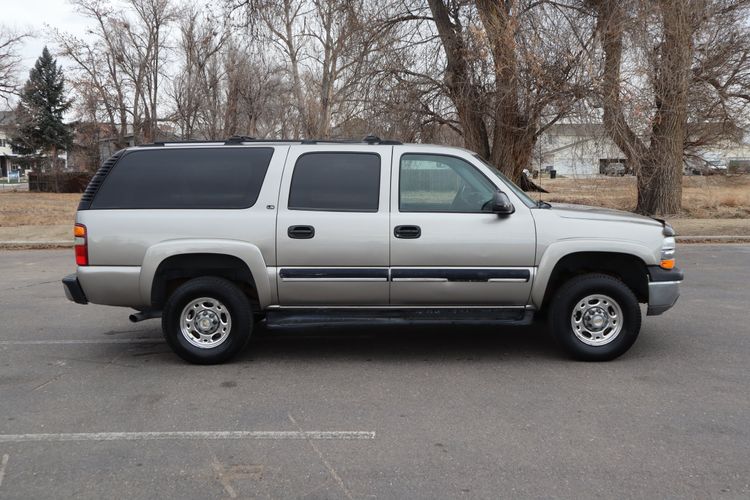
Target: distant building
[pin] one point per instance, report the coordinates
(584, 149)
(7, 157)
(108, 144)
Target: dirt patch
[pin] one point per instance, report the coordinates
(711, 227)
(59, 232)
(35, 209)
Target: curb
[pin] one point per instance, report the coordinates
(27, 245)
(713, 239)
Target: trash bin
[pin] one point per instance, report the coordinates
(553, 174)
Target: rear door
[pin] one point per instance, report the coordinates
(332, 226)
(446, 249)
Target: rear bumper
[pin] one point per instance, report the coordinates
(73, 290)
(663, 289)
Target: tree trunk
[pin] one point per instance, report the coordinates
(659, 187)
(233, 96)
(660, 179)
(659, 165)
(54, 169)
(461, 90)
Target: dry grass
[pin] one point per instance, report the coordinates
(712, 197)
(37, 209)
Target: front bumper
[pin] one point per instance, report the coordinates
(663, 289)
(73, 290)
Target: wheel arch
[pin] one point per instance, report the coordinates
(629, 267)
(167, 264)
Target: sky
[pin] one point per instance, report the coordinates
(33, 15)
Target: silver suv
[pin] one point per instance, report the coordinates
(213, 236)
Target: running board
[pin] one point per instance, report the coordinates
(396, 317)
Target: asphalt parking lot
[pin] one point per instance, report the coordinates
(93, 406)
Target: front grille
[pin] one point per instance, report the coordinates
(97, 180)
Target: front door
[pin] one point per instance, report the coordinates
(332, 226)
(446, 249)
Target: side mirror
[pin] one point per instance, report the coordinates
(501, 204)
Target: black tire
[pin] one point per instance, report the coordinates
(230, 298)
(574, 291)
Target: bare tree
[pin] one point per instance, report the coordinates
(202, 38)
(140, 49)
(680, 88)
(329, 48)
(97, 66)
(123, 57)
(512, 70)
(10, 60)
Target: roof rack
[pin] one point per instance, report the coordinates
(241, 139)
(370, 139)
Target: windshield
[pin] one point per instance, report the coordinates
(516, 190)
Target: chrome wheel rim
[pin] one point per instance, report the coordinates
(596, 320)
(205, 323)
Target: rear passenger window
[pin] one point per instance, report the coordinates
(340, 182)
(185, 178)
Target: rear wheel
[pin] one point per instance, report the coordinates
(207, 320)
(595, 317)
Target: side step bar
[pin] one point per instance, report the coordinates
(288, 317)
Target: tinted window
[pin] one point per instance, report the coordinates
(336, 182)
(185, 178)
(436, 183)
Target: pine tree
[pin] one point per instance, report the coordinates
(40, 113)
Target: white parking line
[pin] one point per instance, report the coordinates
(155, 340)
(151, 436)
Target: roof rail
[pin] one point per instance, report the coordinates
(189, 141)
(370, 139)
(240, 139)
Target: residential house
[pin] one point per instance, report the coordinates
(7, 157)
(583, 149)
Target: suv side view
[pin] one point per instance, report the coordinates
(213, 236)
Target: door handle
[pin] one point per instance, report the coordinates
(407, 232)
(301, 232)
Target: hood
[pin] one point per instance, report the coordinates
(570, 211)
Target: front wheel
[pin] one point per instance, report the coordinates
(207, 320)
(595, 317)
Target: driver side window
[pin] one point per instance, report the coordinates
(437, 183)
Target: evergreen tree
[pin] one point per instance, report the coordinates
(40, 113)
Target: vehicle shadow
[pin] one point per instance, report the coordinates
(390, 343)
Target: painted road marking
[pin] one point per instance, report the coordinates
(331, 470)
(155, 340)
(151, 436)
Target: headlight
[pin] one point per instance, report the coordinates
(667, 253)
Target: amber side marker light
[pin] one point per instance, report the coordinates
(667, 264)
(81, 245)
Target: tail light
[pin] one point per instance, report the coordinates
(81, 245)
